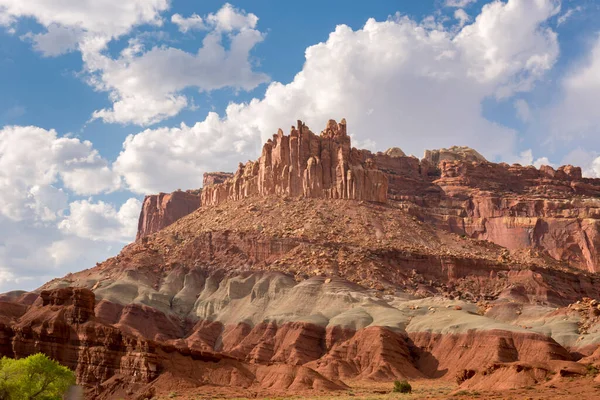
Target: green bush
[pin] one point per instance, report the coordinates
(592, 370)
(402, 387)
(34, 378)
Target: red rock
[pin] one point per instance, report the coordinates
(61, 324)
(161, 210)
(305, 165)
(214, 178)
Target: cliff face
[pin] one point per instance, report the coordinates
(214, 178)
(305, 165)
(553, 212)
(161, 210)
(280, 282)
(62, 324)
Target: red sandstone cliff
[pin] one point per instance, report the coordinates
(282, 282)
(555, 212)
(306, 165)
(161, 210)
(214, 178)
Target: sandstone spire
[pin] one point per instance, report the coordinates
(304, 164)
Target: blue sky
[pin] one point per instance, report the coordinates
(105, 101)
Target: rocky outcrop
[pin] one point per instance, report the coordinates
(214, 178)
(451, 267)
(61, 323)
(454, 153)
(161, 210)
(555, 212)
(304, 164)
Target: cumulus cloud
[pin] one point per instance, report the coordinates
(167, 159)
(523, 110)
(575, 116)
(109, 18)
(227, 19)
(398, 82)
(42, 235)
(459, 3)
(594, 169)
(145, 86)
(99, 221)
(526, 158)
(462, 17)
(55, 41)
(32, 254)
(32, 160)
(194, 22)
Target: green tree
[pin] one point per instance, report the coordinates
(35, 377)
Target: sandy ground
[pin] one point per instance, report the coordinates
(569, 388)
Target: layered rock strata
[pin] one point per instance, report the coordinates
(555, 212)
(214, 178)
(161, 210)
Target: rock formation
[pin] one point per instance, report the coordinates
(305, 165)
(160, 210)
(319, 266)
(214, 178)
(454, 153)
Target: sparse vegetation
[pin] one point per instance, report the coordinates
(402, 387)
(592, 370)
(462, 393)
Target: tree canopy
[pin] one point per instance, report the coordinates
(35, 377)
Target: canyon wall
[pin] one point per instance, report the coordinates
(214, 178)
(161, 210)
(548, 211)
(552, 211)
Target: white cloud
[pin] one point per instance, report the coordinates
(462, 17)
(145, 86)
(459, 3)
(526, 158)
(166, 159)
(508, 44)
(101, 221)
(397, 82)
(568, 14)
(589, 161)
(43, 236)
(523, 110)
(110, 18)
(576, 116)
(227, 19)
(32, 254)
(33, 159)
(55, 41)
(542, 161)
(594, 170)
(195, 22)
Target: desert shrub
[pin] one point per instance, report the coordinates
(34, 377)
(402, 387)
(592, 370)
